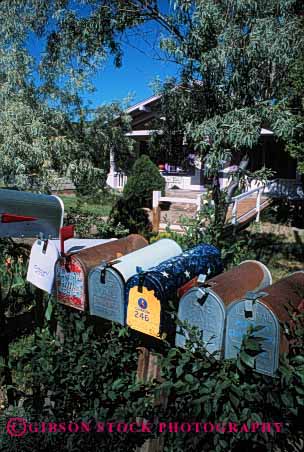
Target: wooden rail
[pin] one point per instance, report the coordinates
(244, 207)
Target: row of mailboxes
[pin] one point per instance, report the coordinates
(81, 283)
(232, 301)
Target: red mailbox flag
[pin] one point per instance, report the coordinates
(66, 232)
(10, 218)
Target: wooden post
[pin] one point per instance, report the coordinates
(148, 369)
(258, 206)
(198, 202)
(156, 211)
(234, 212)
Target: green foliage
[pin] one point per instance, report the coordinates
(143, 179)
(91, 374)
(127, 215)
(93, 225)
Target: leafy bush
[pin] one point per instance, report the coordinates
(144, 178)
(125, 214)
(92, 225)
(91, 375)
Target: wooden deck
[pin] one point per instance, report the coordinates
(247, 210)
(246, 213)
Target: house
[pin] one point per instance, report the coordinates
(285, 183)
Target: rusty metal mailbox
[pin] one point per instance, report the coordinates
(266, 309)
(107, 282)
(25, 214)
(204, 306)
(149, 292)
(44, 255)
(71, 272)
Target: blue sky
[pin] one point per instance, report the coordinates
(134, 77)
(140, 66)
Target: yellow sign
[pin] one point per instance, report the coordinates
(144, 311)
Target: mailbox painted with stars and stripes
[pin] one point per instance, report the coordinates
(148, 293)
(107, 282)
(204, 306)
(72, 271)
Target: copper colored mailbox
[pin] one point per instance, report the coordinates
(72, 271)
(25, 214)
(204, 306)
(266, 309)
(44, 255)
(107, 282)
(148, 293)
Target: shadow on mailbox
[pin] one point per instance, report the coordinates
(107, 282)
(149, 292)
(204, 306)
(25, 214)
(266, 309)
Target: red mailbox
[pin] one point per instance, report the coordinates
(72, 270)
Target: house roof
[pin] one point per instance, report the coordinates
(144, 103)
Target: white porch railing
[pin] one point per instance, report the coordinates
(258, 191)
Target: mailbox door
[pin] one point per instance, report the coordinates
(70, 283)
(107, 298)
(237, 323)
(30, 214)
(41, 269)
(43, 257)
(207, 313)
(144, 306)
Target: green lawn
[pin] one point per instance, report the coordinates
(101, 208)
(279, 246)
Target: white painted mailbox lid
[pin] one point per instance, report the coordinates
(107, 300)
(41, 269)
(146, 257)
(44, 212)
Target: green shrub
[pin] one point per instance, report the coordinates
(144, 178)
(126, 215)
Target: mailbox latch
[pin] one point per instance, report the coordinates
(103, 266)
(250, 299)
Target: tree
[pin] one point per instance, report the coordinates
(234, 57)
(45, 129)
(144, 178)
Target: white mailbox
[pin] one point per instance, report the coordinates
(25, 214)
(45, 253)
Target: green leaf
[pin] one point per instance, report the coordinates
(247, 359)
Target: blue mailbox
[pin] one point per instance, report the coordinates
(107, 282)
(205, 306)
(149, 292)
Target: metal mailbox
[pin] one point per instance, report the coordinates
(71, 272)
(107, 282)
(25, 214)
(204, 306)
(148, 292)
(44, 255)
(266, 309)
